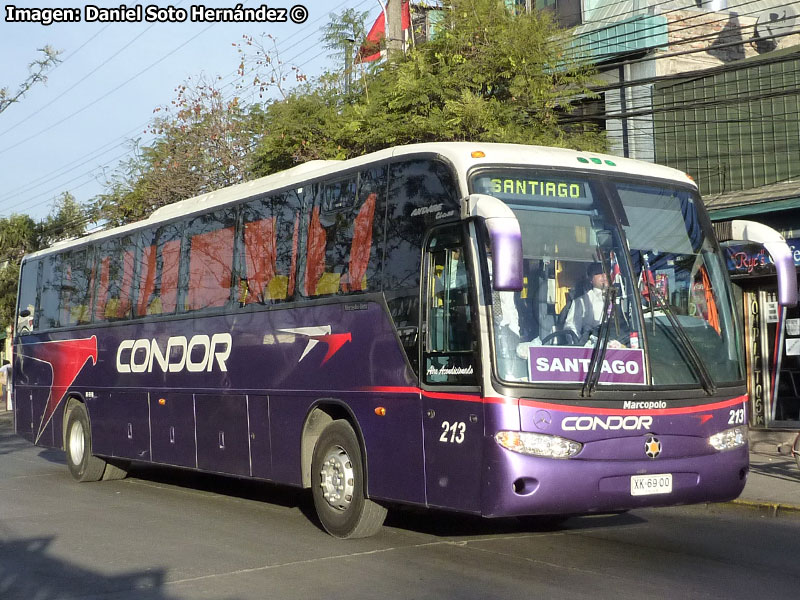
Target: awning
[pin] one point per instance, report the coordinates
(733, 212)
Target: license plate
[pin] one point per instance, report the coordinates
(644, 485)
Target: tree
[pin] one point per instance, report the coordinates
(203, 142)
(67, 219)
(37, 70)
(339, 37)
(21, 235)
(490, 75)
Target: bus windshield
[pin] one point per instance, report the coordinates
(634, 295)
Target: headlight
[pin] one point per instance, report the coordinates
(729, 439)
(538, 444)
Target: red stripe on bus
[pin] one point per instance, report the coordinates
(416, 390)
(683, 410)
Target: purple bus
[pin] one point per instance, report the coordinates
(494, 329)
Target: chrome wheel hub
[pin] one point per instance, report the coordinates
(76, 443)
(337, 478)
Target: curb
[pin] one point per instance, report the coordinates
(767, 509)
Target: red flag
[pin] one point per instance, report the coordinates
(614, 268)
(371, 48)
(647, 281)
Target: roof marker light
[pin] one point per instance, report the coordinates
(583, 160)
(478, 154)
(596, 161)
(611, 163)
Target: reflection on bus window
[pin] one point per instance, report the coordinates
(450, 343)
(159, 269)
(210, 260)
(115, 262)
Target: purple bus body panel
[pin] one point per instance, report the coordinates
(172, 429)
(394, 445)
(222, 434)
(454, 431)
(287, 415)
(260, 452)
(129, 425)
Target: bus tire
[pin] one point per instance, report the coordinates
(337, 485)
(78, 445)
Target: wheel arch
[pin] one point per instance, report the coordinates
(322, 413)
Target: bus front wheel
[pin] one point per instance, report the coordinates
(78, 444)
(337, 475)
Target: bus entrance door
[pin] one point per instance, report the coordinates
(452, 415)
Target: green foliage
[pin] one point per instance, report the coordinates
(490, 75)
(66, 220)
(304, 126)
(8, 293)
(21, 235)
(341, 36)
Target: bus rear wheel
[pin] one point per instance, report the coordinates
(78, 444)
(337, 475)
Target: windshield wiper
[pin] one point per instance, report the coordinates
(690, 351)
(599, 353)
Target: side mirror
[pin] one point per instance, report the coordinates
(506, 239)
(750, 231)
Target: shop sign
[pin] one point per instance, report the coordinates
(753, 259)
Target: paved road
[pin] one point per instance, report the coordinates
(164, 536)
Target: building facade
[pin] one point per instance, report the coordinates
(713, 89)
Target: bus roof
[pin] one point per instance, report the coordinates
(463, 155)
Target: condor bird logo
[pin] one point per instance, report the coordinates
(323, 334)
(66, 359)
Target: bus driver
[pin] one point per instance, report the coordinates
(586, 312)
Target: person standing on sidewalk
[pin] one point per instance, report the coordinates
(5, 379)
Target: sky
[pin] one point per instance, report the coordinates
(66, 134)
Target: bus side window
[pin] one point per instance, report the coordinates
(271, 231)
(50, 291)
(75, 288)
(326, 255)
(114, 289)
(27, 297)
(365, 237)
(416, 188)
(210, 248)
(159, 270)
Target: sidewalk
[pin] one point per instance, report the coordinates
(773, 485)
